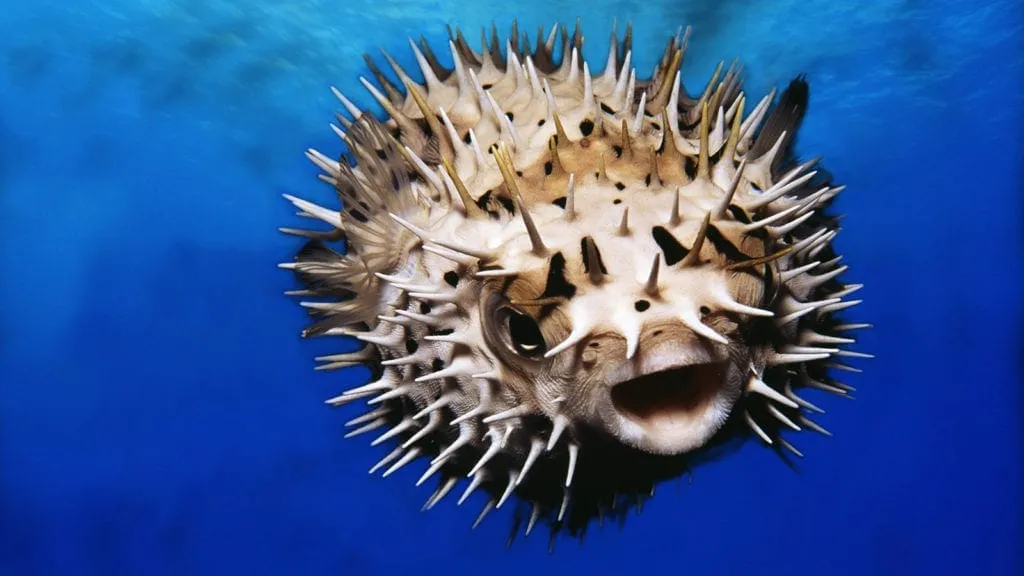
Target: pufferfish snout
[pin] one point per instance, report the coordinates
(571, 286)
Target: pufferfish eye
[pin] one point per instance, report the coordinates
(524, 334)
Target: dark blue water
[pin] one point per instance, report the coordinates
(159, 414)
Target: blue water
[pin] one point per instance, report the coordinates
(159, 414)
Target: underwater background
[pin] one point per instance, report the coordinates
(159, 413)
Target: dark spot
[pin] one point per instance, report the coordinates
(586, 257)
(617, 201)
(557, 285)
(606, 109)
(641, 305)
(487, 86)
(510, 116)
(656, 333)
(382, 154)
(359, 216)
(690, 167)
(586, 127)
(738, 213)
(519, 173)
(411, 346)
(560, 202)
(451, 278)
(620, 185)
(670, 247)
(647, 180)
(424, 308)
(467, 139)
(548, 168)
(725, 247)
(506, 203)
(541, 122)
(656, 125)
(443, 332)
(484, 199)
(618, 150)
(437, 364)
(704, 310)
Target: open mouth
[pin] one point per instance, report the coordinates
(670, 402)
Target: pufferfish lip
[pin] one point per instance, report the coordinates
(661, 399)
(671, 408)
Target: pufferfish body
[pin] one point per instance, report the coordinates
(571, 285)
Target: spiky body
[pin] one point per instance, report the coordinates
(570, 286)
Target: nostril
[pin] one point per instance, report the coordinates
(704, 310)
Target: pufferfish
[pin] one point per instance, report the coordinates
(572, 286)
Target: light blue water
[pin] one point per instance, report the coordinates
(159, 414)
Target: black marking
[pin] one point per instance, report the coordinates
(557, 286)
(411, 346)
(359, 216)
(548, 168)
(506, 203)
(451, 278)
(641, 305)
(510, 116)
(670, 247)
(484, 200)
(607, 109)
(617, 201)
(424, 308)
(724, 247)
(467, 139)
(382, 154)
(586, 127)
(586, 259)
(618, 150)
(541, 122)
(647, 180)
(560, 202)
(690, 167)
(437, 364)
(620, 185)
(487, 86)
(704, 310)
(738, 213)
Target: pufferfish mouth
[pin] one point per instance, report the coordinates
(672, 410)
